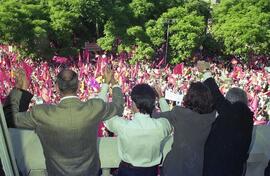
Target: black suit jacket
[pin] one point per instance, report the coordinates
(23, 106)
(267, 170)
(227, 146)
(2, 173)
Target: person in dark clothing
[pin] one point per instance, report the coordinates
(267, 170)
(192, 124)
(2, 173)
(227, 146)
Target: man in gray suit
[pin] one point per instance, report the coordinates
(68, 130)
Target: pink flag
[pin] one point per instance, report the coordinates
(98, 67)
(2, 76)
(80, 60)
(171, 80)
(28, 70)
(45, 95)
(160, 63)
(60, 60)
(178, 69)
(93, 84)
(254, 104)
(86, 55)
(260, 122)
(234, 61)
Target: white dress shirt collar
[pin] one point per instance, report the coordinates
(68, 97)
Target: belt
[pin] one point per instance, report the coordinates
(128, 165)
(125, 164)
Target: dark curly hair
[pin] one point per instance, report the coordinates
(199, 98)
(144, 96)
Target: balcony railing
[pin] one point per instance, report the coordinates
(30, 159)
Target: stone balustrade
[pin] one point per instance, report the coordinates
(30, 159)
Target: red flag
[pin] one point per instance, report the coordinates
(178, 69)
(28, 70)
(2, 76)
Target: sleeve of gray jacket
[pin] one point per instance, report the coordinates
(20, 119)
(116, 107)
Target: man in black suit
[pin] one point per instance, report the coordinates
(267, 170)
(227, 146)
(2, 173)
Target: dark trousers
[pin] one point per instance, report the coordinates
(126, 169)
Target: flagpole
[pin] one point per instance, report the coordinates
(168, 22)
(167, 43)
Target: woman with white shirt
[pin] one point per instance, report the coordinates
(139, 139)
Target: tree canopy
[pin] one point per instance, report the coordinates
(242, 26)
(43, 28)
(144, 30)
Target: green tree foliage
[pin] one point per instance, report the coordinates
(24, 25)
(145, 28)
(43, 28)
(186, 31)
(243, 26)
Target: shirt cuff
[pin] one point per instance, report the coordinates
(103, 92)
(163, 104)
(104, 86)
(162, 99)
(206, 75)
(117, 85)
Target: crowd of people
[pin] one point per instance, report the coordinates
(211, 132)
(175, 79)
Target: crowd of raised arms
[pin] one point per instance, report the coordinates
(43, 74)
(211, 132)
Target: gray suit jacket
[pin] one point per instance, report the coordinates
(67, 131)
(191, 130)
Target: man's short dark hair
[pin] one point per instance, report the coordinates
(237, 95)
(144, 97)
(199, 98)
(67, 81)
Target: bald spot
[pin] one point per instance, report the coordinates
(66, 75)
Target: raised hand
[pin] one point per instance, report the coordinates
(108, 74)
(202, 66)
(21, 80)
(159, 91)
(114, 80)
